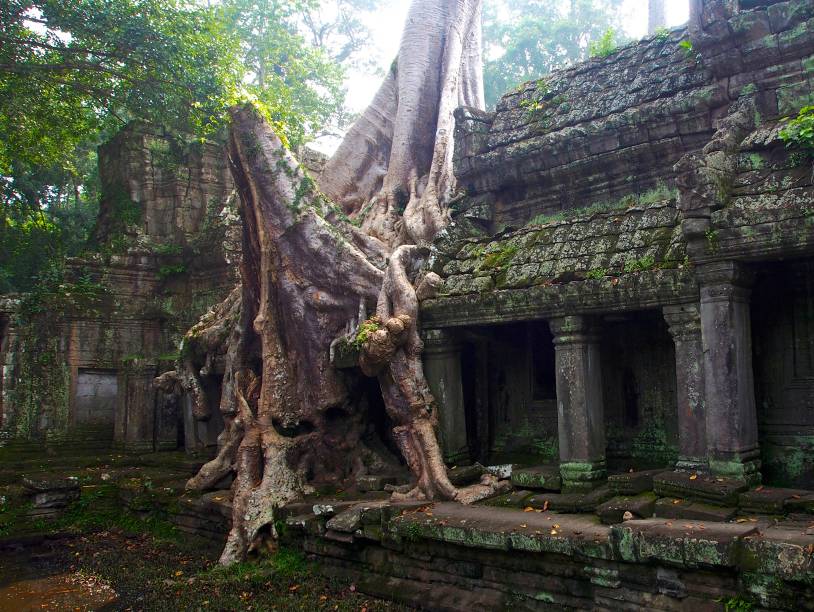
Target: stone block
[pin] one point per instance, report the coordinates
(769, 500)
(461, 476)
(632, 483)
(697, 545)
(546, 478)
(800, 503)
(515, 499)
(374, 483)
(613, 511)
(571, 502)
(683, 509)
(701, 487)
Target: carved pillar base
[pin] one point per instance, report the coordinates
(580, 412)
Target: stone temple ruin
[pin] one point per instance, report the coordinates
(626, 327)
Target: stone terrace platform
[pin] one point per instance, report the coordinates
(645, 541)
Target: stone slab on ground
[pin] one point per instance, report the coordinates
(463, 475)
(699, 487)
(769, 500)
(684, 509)
(350, 520)
(697, 544)
(375, 482)
(613, 511)
(632, 483)
(505, 529)
(543, 477)
(571, 502)
(515, 499)
(802, 504)
(41, 485)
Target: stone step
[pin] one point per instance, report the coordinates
(632, 483)
(515, 499)
(683, 509)
(699, 487)
(543, 477)
(770, 500)
(571, 502)
(615, 510)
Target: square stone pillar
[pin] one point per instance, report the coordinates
(684, 322)
(732, 433)
(442, 368)
(580, 412)
(135, 407)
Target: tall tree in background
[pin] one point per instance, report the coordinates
(527, 39)
(73, 73)
(655, 15)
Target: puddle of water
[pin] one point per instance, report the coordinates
(29, 582)
(57, 592)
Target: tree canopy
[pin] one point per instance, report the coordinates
(527, 39)
(72, 74)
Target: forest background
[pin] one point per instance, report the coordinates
(73, 74)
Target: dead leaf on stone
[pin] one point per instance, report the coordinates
(669, 524)
(740, 520)
(810, 549)
(528, 509)
(523, 525)
(545, 506)
(694, 477)
(553, 532)
(760, 488)
(676, 501)
(795, 496)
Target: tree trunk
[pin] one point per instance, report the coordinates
(656, 18)
(393, 170)
(308, 277)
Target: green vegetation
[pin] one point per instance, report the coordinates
(367, 328)
(662, 34)
(74, 73)
(660, 193)
(640, 264)
(596, 274)
(43, 375)
(799, 131)
(526, 40)
(687, 46)
(737, 604)
(713, 241)
(500, 258)
(168, 271)
(606, 45)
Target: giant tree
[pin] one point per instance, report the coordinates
(310, 277)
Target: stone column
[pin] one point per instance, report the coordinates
(684, 322)
(442, 367)
(732, 434)
(580, 412)
(135, 408)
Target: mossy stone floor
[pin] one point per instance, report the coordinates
(119, 545)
